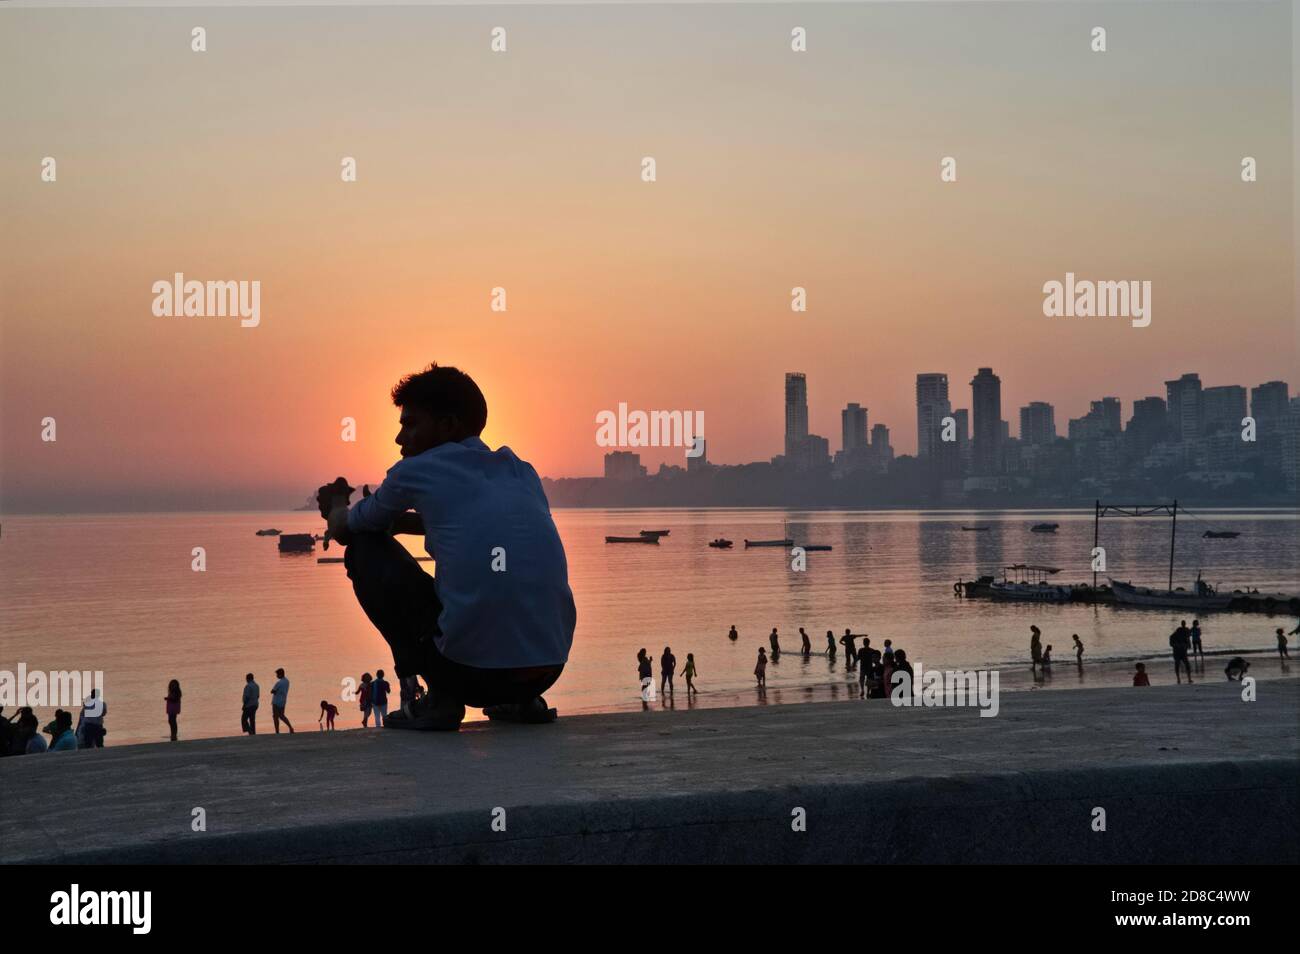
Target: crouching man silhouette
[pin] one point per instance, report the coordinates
(493, 627)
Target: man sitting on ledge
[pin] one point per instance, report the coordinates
(492, 629)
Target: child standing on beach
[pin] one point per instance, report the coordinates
(1140, 677)
(1281, 644)
(645, 672)
(667, 667)
(1047, 657)
(807, 643)
(830, 645)
(173, 702)
(363, 698)
(760, 668)
(1078, 650)
(689, 672)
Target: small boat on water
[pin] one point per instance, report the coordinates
(636, 539)
(1202, 597)
(297, 543)
(768, 543)
(654, 533)
(1027, 582)
(272, 532)
(1221, 534)
(1044, 528)
(974, 529)
(814, 547)
(722, 543)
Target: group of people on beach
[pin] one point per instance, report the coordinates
(19, 735)
(667, 669)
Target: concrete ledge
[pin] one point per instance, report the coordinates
(878, 784)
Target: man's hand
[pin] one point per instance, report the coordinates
(332, 499)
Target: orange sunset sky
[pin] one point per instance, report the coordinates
(522, 170)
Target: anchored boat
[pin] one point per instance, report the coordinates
(636, 539)
(1030, 585)
(722, 543)
(1202, 597)
(654, 533)
(769, 543)
(1044, 528)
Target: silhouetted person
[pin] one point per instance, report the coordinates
(850, 651)
(248, 718)
(1035, 648)
(888, 656)
(776, 643)
(830, 645)
(62, 738)
(1047, 657)
(1140, 676)
(173, 705)
(667, 666)
(732, 634)
(379, 690)
(689, 672)
(280, 699)
(900, 664)
(1197, 649)
(1281, 645)
(363, 698)
(760, 668)
(494, 631)
(1180, 641)
(645, 672)
(1078, 650)
(1236, 669)
(807, 643)
(90, 724)
(28, 741)
(327, 713)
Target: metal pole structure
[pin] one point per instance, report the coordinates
(1173, 530)
(1096, 536)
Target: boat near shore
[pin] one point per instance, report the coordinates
(1044, 528)
(270, 532)
(768, 543)
(655, 533)
(1027, 582)
(816, 548)
(297, 543)
(1202, 597)
(636, 539)
(722, 543)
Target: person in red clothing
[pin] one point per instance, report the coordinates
(1140, 677)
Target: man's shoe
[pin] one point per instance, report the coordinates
(430, 713)
(533, 712)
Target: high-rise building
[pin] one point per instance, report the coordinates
(881, 453)
(623, 465)
(853, 425)
(1149, 424)
(1269, 407)
(1101, 421)
(931, 408)
(986, 403)
(1037, 423)
(1222, 409)
(1184, 405)
(796, 412)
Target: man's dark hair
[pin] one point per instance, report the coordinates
(444, 390)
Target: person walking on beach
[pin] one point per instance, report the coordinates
(1035, 648)
(327, 713)
(279, 699)
(1236, 669)
(173, 705)
(248, 718)
(1140, 676)
(830, 645)
(1281, 645)
(732, 634)
(807, 643)
(363, 699)
(1180, 641)
(645, 672)
(776, 643)
(476, 635)
(1078, 650)
(689, 672)
(379, 690)
(1197, 650)
(760, 668)
(667, 666)
(1047, 657)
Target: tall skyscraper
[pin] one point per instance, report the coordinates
(796, 413)
(853, 426)
(881, 452)
(1184, 404)
(1269, 407)
(1149, 424)
(1037, 423)
(1222, 409)
(931, 408)
(986, 402)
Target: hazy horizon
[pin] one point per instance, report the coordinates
(522, 170)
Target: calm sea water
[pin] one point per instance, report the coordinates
(116, 593)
